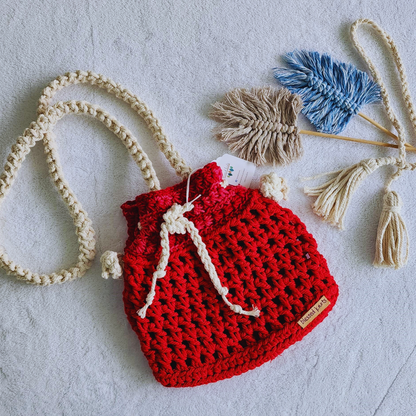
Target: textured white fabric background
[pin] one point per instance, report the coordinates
(68, 349)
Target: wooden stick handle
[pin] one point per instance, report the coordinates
(383, 129)
(379, 126)
(350, 139)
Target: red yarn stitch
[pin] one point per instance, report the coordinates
(262, 253)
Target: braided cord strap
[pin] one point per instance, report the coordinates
(41, 129)
(89, 77)
(377, 77)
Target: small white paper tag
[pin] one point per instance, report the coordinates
(236, 171)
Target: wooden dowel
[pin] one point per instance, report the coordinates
(350, 139)
(383, 129)
(379, 126)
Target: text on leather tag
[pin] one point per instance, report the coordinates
(314, 312)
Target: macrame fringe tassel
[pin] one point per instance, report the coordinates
(332, 91)
(392, 245)
(260, 124)
(335, 195)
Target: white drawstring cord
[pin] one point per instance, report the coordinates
(176, 223)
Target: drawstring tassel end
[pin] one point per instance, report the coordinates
(239, 309)
(142, 312)
(223, 291)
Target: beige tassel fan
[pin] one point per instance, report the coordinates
(260, 124)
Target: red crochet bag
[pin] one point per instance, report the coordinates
(261, 252)
(218, 278)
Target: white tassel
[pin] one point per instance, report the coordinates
(392, 245)
(111, 264)
(273, 187)
(335, 195)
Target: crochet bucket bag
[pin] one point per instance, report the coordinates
(218, 279)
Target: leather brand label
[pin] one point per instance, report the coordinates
(313, 312)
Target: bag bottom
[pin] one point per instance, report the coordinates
(265, 350)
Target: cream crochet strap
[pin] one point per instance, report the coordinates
(41, 129)
(83, 77)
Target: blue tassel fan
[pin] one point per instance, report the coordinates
(332, 91)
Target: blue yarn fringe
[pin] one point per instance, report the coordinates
(332, 91)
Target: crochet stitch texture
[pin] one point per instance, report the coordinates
(262, 253)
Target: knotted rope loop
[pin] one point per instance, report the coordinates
(369, 165)
(377, 77)
(174, 220)
(118, 90)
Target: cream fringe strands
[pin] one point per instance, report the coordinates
(392, 237)
(333, 197)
